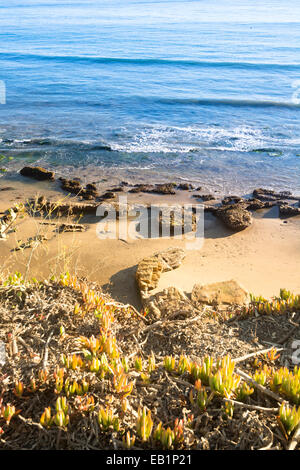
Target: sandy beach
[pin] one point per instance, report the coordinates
(263, 258)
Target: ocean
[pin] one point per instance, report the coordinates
(198, 91)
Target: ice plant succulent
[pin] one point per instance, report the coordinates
(289, 417)
(169, 363)
(19, 389)
(107, 419)
(128, 441)
(7, 412)
(46, 418)
(144, 424)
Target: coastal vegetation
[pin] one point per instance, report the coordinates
(77, 376)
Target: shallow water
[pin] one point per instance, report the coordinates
(203, 91)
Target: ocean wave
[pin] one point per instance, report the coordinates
(230, 102)
(53, 142)
(148, 61)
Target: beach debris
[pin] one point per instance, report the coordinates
(71, 228)
(32, 242)
(8, 219)
(226, 292)
(37, 173)
(42, 203)
(150, 269)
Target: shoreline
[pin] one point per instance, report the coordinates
(263, 258)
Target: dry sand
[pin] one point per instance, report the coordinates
(263, 258)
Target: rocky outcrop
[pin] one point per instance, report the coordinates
(205, 197)
(170, 303)
(185, 186)
(285, 210)
(42, 204)
(227, 292)
(235, 216)
(165, 188)
(37, 173)
(270, 195)
(150, 269)
(74, 187)
(148, 274)
(232, 200)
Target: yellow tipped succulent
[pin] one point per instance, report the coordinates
(151, 363)
(144, 424)
(169, 363)
(19, 389)
(121, 384)
(7, 412)
(43, 375)
(138, 364)
(107, 420)
(289, 417)
(228, 409)
(183, 365)
(62, 405)
(128, 441)
(46, 418)
(243, 391)
(61, 419)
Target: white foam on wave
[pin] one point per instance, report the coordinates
(178, 139)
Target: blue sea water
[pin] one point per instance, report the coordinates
(204, 91)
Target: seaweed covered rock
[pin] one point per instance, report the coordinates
(37, 173)
(235, 216)
(285, 210)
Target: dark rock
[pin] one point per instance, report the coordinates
(235, 216)
(206, 197)
(286, 210)
(166, 188)
(270, 195)
(7, 188)
(185, 186)
(118, 189)
(91, 187)
(37, 173)
(232, 200)
(108, 195)
(142, 188)
(71, 186)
